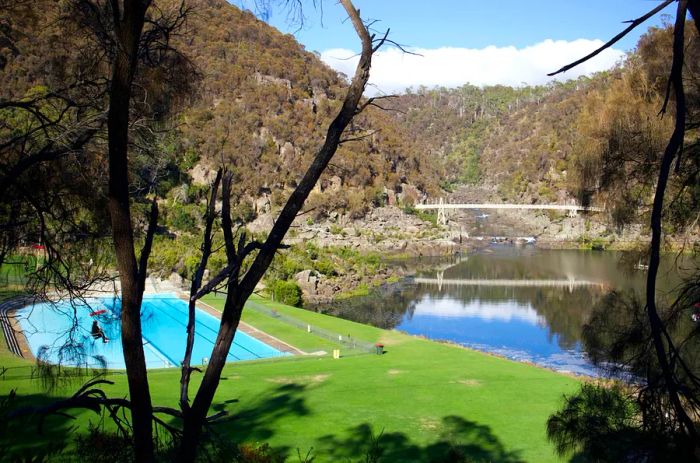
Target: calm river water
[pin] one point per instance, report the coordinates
(522, 303)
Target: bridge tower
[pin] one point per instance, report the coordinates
(441, 215)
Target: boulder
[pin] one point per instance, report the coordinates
(201, 175)
(263, 223)
(262, 205)
(287, 153)
(390, 197)
(176, 280)
(410, 193)
(308, 281)
(335, 183)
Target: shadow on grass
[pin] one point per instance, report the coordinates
(29, 437)
(460, 440)
(255, 422)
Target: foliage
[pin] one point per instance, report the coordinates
(598, 423)
(98, 445)
(429, 216)
(287, 292)
(264, 101)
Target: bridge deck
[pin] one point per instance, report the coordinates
(510, 283)
(557, 207)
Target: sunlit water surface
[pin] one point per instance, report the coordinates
(525, 304)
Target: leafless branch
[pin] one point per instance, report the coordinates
(633, 24)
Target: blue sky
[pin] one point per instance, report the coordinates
(471, 23)
(480, 41)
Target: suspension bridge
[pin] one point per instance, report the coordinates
(442, 208)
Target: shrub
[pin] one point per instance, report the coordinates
(326, 267)
(409, 209)
(290, 267)
(244, 211)
(597, 424)
(287, 292)
(98, 445)
(182, 217)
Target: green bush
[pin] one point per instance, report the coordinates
(287, 292)
(326, 267)
(598, 424)
(290, 267)
(244, 211)
(311, 250)
(409, 209)
(183, 217)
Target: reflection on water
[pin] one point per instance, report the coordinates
(523, 303)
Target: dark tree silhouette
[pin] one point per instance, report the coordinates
(669, 396)
(240, 284)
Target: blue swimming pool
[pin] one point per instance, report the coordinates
(61, 333)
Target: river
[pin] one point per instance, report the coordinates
(523, 303)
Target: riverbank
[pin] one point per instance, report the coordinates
(421, 399)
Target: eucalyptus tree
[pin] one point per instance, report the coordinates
(661, 421)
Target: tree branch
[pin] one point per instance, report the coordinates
(614, 40)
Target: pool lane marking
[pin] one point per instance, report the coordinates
(179, 322)
(147, 342)
(200, 323)
(151, 347)
(253, 330)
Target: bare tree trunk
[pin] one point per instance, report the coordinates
(128, 26)
(196, 285)
(238, 293)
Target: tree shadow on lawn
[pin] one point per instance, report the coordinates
(28, 437)
(33, 437)
(460, 440)
(256, 422)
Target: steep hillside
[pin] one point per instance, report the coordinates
(517, 140)
(262, 105)
(528, 153)
(595, 138)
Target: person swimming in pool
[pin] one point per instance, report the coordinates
(97, 332)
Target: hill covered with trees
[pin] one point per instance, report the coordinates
(593, 139)
(261, 104)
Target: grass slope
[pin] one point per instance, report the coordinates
(423, 397)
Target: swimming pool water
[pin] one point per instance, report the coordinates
(60, 333)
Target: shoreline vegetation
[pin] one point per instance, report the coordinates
(299, 407)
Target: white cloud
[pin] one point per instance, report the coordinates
(393, 71)
(486, 311)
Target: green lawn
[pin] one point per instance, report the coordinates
(423, 397)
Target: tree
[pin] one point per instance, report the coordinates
(133, 33)
(669, 398)
(53, 132)
(239, 280)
